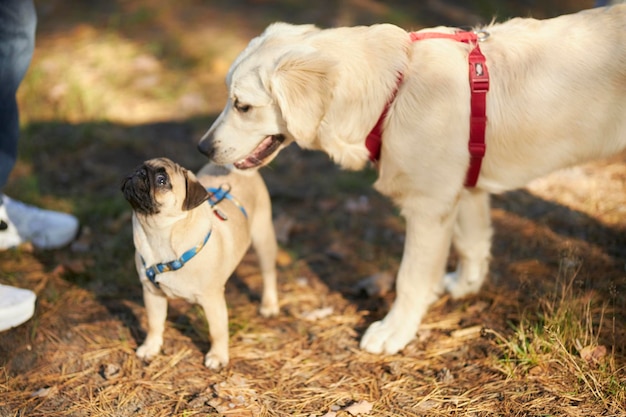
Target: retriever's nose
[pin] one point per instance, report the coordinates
(204, 146)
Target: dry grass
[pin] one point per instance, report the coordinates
(117, 83)
(291, 366)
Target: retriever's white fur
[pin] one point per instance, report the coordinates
(557, 98)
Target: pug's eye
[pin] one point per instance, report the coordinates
(161, 179)
(242, 108)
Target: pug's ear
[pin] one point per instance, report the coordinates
(196, 193)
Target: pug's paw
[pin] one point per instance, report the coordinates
(269, 309)
(215, 361)
(148, 351)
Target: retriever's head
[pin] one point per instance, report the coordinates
(278, 89)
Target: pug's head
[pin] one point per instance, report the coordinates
(160, 186)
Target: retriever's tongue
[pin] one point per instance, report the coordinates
(265, 148)
(246, 163)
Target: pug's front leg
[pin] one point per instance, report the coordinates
(156, 308)
(216, 312)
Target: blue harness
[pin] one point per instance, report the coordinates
(217, 195)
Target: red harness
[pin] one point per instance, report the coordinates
(479, 85)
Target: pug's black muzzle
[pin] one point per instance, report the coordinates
(137, 189)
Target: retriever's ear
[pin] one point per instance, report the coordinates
(196, 193)
(301, 85)
(287, 29)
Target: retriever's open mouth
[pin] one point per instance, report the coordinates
(266, 148)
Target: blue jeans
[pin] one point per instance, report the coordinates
(17, 42)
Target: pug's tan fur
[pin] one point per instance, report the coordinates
(172, 219)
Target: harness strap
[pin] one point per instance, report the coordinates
(374, 139)
(174, 265)
(217, 195)
(479, 86)
(221, 193)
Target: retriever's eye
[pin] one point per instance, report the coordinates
(161, 179)
(243, 108)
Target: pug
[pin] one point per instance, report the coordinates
(190, 233)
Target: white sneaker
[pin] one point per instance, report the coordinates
(8, 233)
(16, 306)
(46, 229)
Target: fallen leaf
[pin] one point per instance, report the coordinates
(593, 354)
(57, 92)
(376, 285)
(357, 205)
(110, 371)
(317, 314)
(424, 334)
(302, 282)
(283, 225)
(427, 405)
(59, 270)
(477, 307)
(78, 265)
(44, 392)
(445, 376)
(113, 225)
(146, 63)
(283, 258)
(337, 251)
(327, 204)
(536, 371)
(362, 407)
(467, 332)
(234, 393)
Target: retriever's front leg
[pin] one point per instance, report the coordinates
(472, 241)
(423, 265)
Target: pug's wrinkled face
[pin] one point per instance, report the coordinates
(160, 186)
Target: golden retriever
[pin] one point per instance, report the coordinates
(557, 98)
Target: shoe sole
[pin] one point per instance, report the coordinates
(17, 306)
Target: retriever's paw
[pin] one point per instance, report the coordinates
(387, 337)
(215, 361)
(458, 287)
(148, 350)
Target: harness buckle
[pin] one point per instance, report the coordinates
(220, 214)
(479, 85)
(482, 35)
(477, 149)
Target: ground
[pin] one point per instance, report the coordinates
(114, 83)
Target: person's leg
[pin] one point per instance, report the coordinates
(17, 42)
(20, 222)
